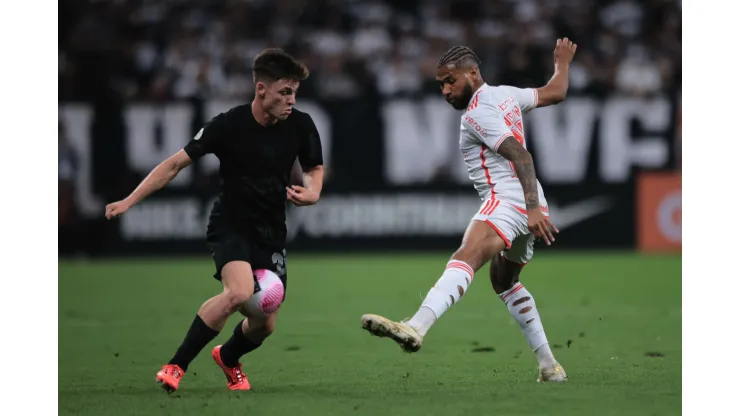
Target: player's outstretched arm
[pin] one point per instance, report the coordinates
(310, 192)
(557, 88)
(539, 225)
(157, 179)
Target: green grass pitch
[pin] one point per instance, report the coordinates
(613, 320)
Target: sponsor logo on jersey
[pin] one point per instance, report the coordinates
(476, 126)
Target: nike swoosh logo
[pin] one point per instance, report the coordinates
(569, 215)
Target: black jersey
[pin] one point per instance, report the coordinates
(256, 162)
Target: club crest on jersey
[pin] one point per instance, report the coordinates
(476, 126)
(197, 136)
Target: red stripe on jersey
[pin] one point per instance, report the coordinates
(518, 136)
(485, 207)
(474, 103)
(483, 163)
(492, 208)
(490, 205)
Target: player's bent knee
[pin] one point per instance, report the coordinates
(238, 282)
(269, 327)
(237, 298)
(260, 329)
(475, 254)
(504, 274)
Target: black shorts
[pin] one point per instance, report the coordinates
(227, 244)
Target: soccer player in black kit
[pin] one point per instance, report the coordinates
(257, 146)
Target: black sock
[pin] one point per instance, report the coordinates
(237, 346)
(198, 336)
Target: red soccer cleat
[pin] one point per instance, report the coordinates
(169, 377)
(235, 377)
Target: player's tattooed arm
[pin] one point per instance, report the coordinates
(513, 151)
(537, 223)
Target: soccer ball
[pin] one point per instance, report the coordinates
(268, 296)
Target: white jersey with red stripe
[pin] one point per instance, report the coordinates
(494, 113)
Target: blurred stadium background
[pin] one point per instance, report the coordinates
(138, 78)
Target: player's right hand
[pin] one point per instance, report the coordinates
(116, 209)
(564, 51)
(540, 226)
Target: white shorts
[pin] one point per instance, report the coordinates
(510, 223)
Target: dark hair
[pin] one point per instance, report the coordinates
(274, 64)
(459, 55)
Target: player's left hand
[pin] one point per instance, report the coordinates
(564, 51)
(540, 226)
(301, 196)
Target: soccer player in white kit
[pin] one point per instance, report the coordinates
(514, 210)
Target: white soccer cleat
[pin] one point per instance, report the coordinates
(554, 374)
(401, 332)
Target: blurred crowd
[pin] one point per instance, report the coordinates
(180, 49)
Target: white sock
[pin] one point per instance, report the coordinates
(522, 307)
(545, 357)
(449, 289)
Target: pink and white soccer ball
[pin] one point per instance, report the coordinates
(269, 298)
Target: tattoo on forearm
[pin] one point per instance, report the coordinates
(524, 167)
